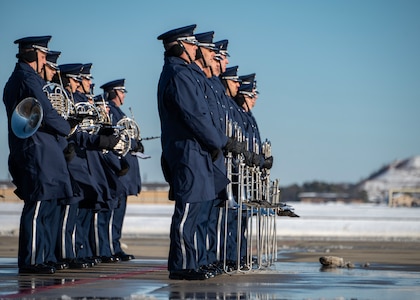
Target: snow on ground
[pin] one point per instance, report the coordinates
(325, 221)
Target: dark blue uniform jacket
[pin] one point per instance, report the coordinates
(131, 180)
(188, 134)
(36, 164)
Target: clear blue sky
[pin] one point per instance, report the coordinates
(339, 81)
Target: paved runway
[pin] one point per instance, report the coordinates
(148, 279)
(393, 277)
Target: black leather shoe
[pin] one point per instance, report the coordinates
(231, 266)
(188, 274)
(58, 265)
(209, 273)
(110, 259)
(88, 261)
(212, 269)
(76, 264)
(96, 259)
(124, 256)
(37, 269)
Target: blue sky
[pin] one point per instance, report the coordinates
(338, 80)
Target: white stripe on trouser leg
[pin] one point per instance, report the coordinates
(111, 245)
(96, 232)
(219, 231)
(63, 232)
(35, 217)
(73, 240)
(196, 246)
(181, 236)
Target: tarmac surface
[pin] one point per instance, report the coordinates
(383, 244)
(291, 277)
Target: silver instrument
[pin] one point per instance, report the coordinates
(129, 130)
(131, 126)
(257, 205)
(89, 115)
(59, 99)
(104, 117)
(124, 144)
(104, 120)
(27, 117)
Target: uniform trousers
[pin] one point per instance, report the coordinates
(37, 231)
(117, 224)
(66, 235)
(233, 239)
(232, 235)
(214, 233)
(51, 252)
(220, 234)
(102, 228)
(201, 241)
(182, 252)
(244, 234)
(83, 228)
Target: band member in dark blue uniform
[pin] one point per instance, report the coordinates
(72, 240)
(114, 167)
(66, 250)
(231, 82)
(92, 192)
(36, 163)
(215, 233)
(108, 177)
(50, 71)
(115, 94)
(190, 144)
(205, 60)
(96, 190)
(246, 99)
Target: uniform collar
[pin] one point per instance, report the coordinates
(111, 103)
(24, 66)
(175, 60)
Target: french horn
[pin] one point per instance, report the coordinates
(103, 114)
(131, 126)
(27, 117)
(59, 99)
(124, 144)
(129, 130)
(89, 115)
